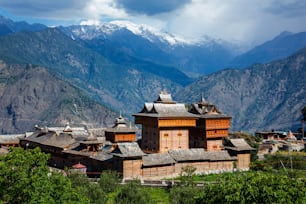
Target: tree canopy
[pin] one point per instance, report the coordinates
(26, 178)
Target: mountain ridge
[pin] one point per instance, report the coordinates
(261, 97)
(123, 87)
(124, 70)
(31, 95)
(283, 45)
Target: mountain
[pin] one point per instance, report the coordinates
(31, 95)
(121, 40)
(123, 88)
(8, 26)
(261, 97)
(283, 45)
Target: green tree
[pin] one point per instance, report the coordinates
(26, 178)
(186, 175)
(91, 190)
(109, 181)
(255, 187)
(132, 193)
(184, 194)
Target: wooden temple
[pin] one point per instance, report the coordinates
(165, 125)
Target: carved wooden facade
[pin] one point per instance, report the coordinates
(165, 125)
(212, 126)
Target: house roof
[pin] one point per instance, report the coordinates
(63, 137)
(74, 131)
(199, 154)
(102, 156)
(11, 139)
(63, 140)
(127, 149)
(239, 144)
(157, 159)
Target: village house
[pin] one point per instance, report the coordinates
(273, 141)
(172, 138)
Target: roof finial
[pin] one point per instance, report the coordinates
(203, 99)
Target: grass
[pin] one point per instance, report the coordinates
(158, 195)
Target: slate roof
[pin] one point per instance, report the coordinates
(164, 97)
(75, 131)
(204, 109)
(239, 144)
(102, 156)
(12, 138)
(199, 154)
(121, 126)
(157, 159)
(67, 137)
(63, 140)
(128, 149)
(165, 110)
(98, 132)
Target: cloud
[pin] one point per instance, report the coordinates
(233, 20)
(151, 7)
(237, 20)
(42, 8)
(64, 9)
(287, 8)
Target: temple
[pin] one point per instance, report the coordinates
(172, 137)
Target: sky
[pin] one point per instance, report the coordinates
(240, 21)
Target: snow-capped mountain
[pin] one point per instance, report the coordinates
(117, 39)
(89, 32)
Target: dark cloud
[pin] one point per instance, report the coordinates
(151, 7)
(291, 9)
(39, 7)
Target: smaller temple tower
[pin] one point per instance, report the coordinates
(121, 131)
(212, 126)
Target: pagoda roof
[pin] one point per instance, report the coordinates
(165, 110)
(165, 98)
(204, 109)
(11, 139)
(121, 126)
